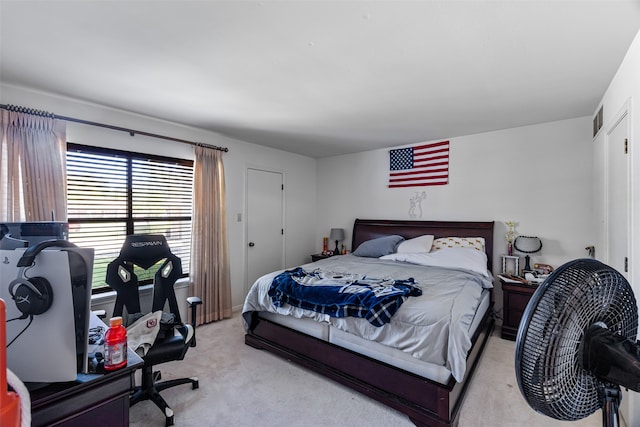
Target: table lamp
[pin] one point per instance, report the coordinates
(337, 235)
(527, 245)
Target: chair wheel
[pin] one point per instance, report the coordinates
(169, 421)
(195, 385)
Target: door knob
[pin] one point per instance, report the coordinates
(251, 244)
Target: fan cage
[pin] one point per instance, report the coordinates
(549, 342)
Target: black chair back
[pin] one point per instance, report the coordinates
(144, 250)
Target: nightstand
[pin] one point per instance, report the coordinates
(515, 297)
(318, 257)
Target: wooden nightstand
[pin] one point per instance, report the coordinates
(318, 257)
(515, 297)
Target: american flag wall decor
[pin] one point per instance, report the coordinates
(419, 166)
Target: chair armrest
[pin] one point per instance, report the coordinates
(194, 302)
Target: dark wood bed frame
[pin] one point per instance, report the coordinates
(425, 402)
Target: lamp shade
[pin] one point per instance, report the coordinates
(337, 234)
(527, 244)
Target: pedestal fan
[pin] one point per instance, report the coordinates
(576, 344)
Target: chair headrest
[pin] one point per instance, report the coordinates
(145, 250)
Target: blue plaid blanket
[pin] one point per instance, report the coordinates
(339, 296)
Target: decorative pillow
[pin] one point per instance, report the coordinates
(376, 248)
(458, 242)
(417, 244)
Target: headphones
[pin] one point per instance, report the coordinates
(33, 295)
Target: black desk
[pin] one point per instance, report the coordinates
(93, 399)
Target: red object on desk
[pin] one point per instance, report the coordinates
(115, 345)
(9, 401)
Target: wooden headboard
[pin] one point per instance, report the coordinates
(367, 229)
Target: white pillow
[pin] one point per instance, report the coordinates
(417, 244)
(457, 257)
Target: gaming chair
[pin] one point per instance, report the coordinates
(175, 338)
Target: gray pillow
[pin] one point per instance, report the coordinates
(375, 248)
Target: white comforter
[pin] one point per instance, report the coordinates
(433, 327)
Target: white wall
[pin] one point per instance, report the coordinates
(299, 171)
(623, 92)
(539, 176)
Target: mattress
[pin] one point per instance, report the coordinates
(324, 331)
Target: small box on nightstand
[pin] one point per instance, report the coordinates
(510, 264)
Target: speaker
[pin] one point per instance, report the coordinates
(33, 295)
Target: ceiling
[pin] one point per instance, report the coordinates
(323, 78)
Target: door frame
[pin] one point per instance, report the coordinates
(622, 113)
(629, 401)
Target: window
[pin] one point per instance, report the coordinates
(112, 193)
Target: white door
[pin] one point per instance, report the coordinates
(265, 232)
(617, 212)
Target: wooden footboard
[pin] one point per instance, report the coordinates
(425, 402)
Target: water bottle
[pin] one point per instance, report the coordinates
(115, 345)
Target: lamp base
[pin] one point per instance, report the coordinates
(337, 251)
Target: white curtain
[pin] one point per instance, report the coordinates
(32, 167)
(209, 269)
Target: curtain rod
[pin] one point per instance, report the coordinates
(131, 132)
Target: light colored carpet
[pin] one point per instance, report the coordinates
(242, 386)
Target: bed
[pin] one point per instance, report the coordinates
(428, 390)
